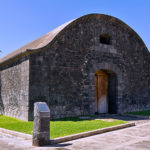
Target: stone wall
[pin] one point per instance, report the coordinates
(14, 85)
(62, 74)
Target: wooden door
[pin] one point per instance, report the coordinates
(101, 92)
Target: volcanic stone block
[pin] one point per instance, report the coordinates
(41, 127)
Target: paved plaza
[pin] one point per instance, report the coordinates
(133, 138)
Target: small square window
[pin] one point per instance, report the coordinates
(105, 39)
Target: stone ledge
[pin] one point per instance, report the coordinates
(90, 133)
(17, 134)
(136, 116)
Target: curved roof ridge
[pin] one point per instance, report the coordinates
(47, 38)
(36, 44)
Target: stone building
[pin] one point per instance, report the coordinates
(94, 64)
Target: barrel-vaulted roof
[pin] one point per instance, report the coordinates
(48, 38)
(36, 44)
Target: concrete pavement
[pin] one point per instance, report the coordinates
(134, 138)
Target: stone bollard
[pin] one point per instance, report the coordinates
(41, 127)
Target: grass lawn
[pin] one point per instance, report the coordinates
(142, 113)
(58, 128)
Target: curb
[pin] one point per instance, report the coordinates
(136, 116)
(17, 134)
(71, 137)
(90, 133)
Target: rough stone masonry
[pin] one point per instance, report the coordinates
(59, 69)
(41, 127)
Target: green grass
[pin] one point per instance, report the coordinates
(142, 113)
(59, 128)
(16, 125)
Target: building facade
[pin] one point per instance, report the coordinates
(94, 64)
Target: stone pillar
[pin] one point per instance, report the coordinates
(41, 126)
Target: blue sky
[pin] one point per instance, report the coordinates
(22, 21)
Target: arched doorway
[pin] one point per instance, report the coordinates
(105, 92)
(101, 92)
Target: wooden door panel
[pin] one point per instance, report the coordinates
(101, 92)
(96, 93)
